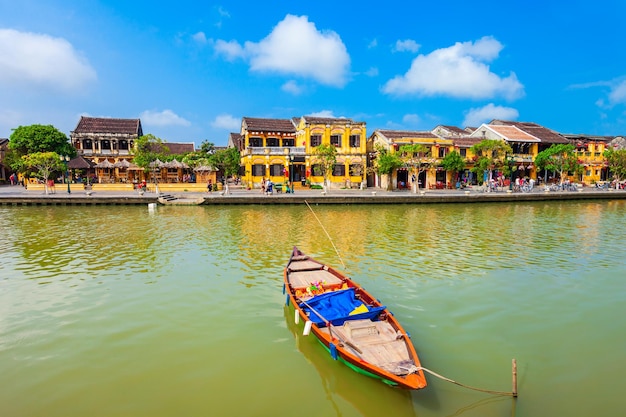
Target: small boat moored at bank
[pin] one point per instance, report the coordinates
(350, 323)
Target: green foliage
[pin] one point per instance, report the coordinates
(617, 163)
(559, 158)
(326, 157)
(386, 162)
(453, 162)
(490, 155)
(207, 147)
(227, 160)
(36, 139)
(148, 148)
(43, 164)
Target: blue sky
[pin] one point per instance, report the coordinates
(191, 70)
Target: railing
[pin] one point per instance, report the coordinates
(275, 150)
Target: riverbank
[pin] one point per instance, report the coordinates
(18, 196)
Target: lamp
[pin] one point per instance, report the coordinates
(66, 159)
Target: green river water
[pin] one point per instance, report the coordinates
(118, 311)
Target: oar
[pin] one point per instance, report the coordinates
(330, 327)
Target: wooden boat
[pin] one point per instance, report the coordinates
(350, 323)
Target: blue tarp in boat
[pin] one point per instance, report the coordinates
(336, 307)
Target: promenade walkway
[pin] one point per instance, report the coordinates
(17, 195)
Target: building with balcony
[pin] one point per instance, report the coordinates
(283, 150)
(98, 138)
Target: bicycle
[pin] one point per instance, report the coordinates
(527, 187)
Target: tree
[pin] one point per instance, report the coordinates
(36, 138)
(559, 158)
(43, 164)
(454, 163)
(386, 162)
(148, 148)
(417, 157)
(490, 156)
(207, 147)
(617, 164)
(226, 160)
(326, 156)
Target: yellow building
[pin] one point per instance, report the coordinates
(402, 178)
(349, 138)
(283, 151)
(590, 153)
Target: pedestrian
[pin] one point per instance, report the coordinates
(263, 186)
(209, 186)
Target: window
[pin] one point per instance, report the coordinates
(105, 144)
(335, 140)
(355, 141)
(316, 140)
(289, 142)
(356, 170)
(272, 141)
(258, 170)
(256, 142)
(317, 170)
(124, 145)
(463, 152)
(339, 170)
(276, 170)
(87, 144)
(442, 152)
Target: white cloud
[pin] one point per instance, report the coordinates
(231, 50)
(480, 115)
(199, 37)
(411, 119)
(163, 118)
(457, 71)
(372, 44)
(295, 47)
(618, 94)
(227, 122)
(407, 45)
(36, 60)
(372, 72)
(323, 113)
(291, 87)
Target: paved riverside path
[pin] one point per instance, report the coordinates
(17, 195)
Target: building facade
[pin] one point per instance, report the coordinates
(283, 150)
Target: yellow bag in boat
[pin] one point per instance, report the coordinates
(360, 309)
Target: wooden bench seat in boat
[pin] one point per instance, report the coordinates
(378, 342)
(304, 272)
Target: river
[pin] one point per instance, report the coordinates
(119, 311)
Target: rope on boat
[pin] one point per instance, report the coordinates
(329, 238)
(414, 369)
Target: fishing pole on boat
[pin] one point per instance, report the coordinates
(513, 393)
(329, 238)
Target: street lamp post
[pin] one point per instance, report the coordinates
(291, 174)
(66, 159)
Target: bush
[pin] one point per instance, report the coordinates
(316, 187)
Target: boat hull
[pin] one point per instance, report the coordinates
(372, 343)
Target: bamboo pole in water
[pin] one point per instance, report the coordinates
(514, 378)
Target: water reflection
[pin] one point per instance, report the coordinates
(168, 292)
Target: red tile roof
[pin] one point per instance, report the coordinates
(109, 125)
(542, 133)
(179, 148)
(314, 120)
(407, 134)
(269, 125)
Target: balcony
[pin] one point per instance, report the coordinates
(275, 150)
